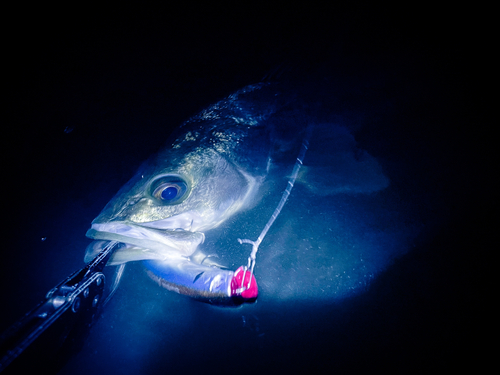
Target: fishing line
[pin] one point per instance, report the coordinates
(286, 193)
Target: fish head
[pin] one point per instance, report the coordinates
(165, 210)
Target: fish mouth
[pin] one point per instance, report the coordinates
(152, 240)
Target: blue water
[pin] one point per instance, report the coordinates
(375, 270)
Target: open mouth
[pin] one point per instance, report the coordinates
(152, 243)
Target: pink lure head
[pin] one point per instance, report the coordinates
(240, 287)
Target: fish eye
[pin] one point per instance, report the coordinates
(169, 189)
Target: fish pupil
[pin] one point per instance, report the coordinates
(169, 193)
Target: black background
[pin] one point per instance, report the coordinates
(85, 89)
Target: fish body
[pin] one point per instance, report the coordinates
(235, 155)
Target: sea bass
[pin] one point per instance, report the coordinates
(227, 159)
(212, 169)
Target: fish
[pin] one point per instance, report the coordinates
(219, 179)
(211, 169)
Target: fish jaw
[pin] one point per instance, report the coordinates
(163, 242)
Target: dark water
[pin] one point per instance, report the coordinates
(361, 280)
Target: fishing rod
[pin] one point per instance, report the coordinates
(45, 337)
